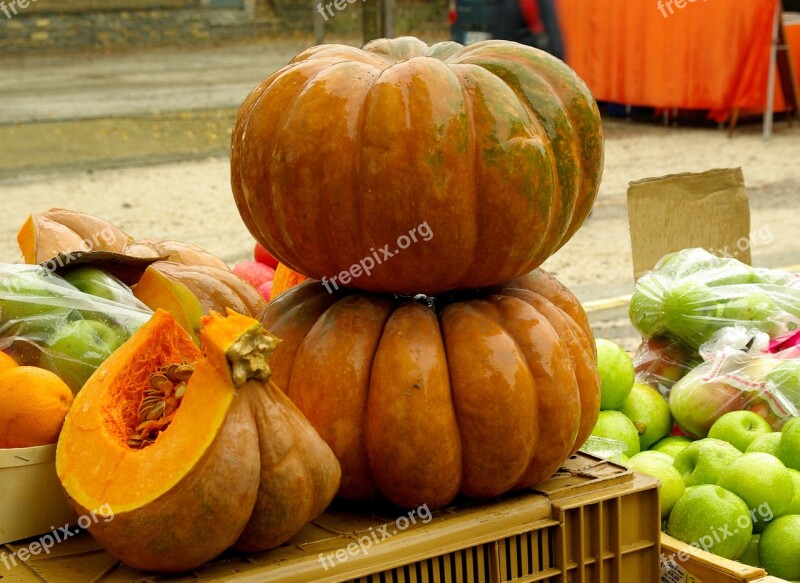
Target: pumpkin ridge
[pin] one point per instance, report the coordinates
(487, 471)
(291, 257)
(552, 395)
(323, 222)
(471, 143)
(560, 214)
(360, 232)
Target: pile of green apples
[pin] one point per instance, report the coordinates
(68, 325)
(734, 493)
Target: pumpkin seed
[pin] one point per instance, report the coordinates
(157, 411)
(180, 391)
(161, 382)
(182, 373)
(170, 372)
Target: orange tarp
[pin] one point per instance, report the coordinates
(705, 55)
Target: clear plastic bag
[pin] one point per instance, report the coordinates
(692, 294)
(47, 322)
(661, 362)
(732, 380)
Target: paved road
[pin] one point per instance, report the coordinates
(52, 88)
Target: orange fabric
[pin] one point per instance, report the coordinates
(705, 55)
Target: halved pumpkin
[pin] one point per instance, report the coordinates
(229, 461)
(60, 231)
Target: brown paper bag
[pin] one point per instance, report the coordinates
(709, 210)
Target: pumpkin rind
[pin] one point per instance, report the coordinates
(490, 392)
(60, 231)
(216, 289)
(496, 146)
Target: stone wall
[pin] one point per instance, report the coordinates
(28, 26)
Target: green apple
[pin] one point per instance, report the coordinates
(750, 555)
(616, 371)
(778, 549)
(739, 428)
(763, 482)
(756, 309)
(794, 507)
(96, 282)
(659, 465)
(646, 309)
(729, 272)
(615, 425)
(76, 349)
(789, 446)
(671, 445)
(786, 378)
(702, 462)
(690, 309)
(649, 412)
(696, 404)
(28, 291)
(767, 443)
(712, 518)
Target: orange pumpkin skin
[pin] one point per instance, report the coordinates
(496, 147)
(480, 395)
(285, 278)
(237, 466)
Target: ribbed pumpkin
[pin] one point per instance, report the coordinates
(222, 459)
(421, 399)
(497, 148)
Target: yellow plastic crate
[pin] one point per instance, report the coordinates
(593, 521)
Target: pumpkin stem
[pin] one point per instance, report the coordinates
(249, 356)
(237, 345)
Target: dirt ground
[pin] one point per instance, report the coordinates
(170, 177)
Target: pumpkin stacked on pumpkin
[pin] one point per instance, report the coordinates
(453, 366)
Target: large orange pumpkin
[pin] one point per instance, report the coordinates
(421, 399)
(185, 453)
(344, 155)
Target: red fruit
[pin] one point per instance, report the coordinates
(253, 272)
(263, 256)
(265, 289)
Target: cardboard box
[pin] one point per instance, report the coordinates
(708, 210)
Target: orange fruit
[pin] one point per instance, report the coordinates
(33, 404)
(6, 362)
